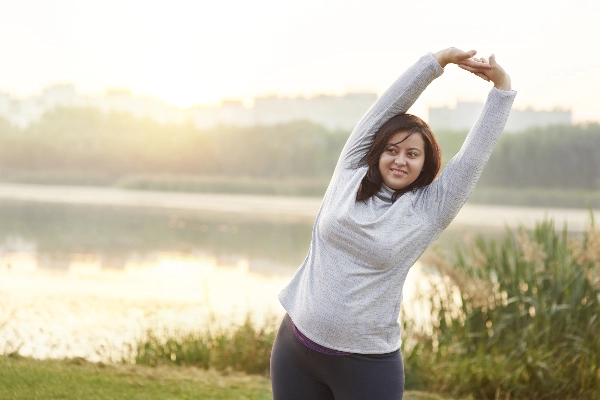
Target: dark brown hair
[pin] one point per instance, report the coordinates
(410, 124)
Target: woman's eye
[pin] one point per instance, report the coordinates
(412, 154)
(391, 150)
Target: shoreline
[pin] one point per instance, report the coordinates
(301, 209)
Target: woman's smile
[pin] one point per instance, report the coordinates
(398, 172)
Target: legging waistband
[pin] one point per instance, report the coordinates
(315, 346)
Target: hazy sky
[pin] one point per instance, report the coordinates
(197, 51)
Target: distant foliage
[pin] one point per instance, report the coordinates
(554, 157)
(117, 145)
(85, 145)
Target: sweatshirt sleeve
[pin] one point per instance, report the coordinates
(395, 100)
(443, 199)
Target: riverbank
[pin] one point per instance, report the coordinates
(25, 379)
(275, 207)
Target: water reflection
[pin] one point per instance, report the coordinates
(88, 280)
(90, 311)
(115, 235)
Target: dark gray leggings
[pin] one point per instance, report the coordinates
(298, 372)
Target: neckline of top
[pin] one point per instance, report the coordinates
(387, 189)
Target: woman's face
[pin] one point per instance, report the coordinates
(401, 163)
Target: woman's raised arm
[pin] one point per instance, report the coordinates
(399, 97)
(444, 197)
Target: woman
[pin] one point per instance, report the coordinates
(340, 338)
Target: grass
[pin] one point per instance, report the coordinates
(28, 379)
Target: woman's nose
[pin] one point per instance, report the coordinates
(400, 159)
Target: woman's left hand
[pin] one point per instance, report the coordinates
(495, 74)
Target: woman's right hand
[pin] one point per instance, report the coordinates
(495, 74)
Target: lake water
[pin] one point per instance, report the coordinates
(87, 281)
(83, 279)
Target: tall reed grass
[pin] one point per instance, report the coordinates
(514, 319)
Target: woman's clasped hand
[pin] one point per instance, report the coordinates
(486, 70)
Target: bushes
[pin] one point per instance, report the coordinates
(244, 348)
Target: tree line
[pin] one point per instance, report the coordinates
(118, 144)
(552, 157)
(115, 145)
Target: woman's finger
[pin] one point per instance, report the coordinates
(476, 72)
(475, 64)
(478, 68)
(482, 76)
(462, 55)
(465, 54)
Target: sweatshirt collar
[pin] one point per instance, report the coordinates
(385, 193)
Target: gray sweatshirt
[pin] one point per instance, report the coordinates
(347, 293)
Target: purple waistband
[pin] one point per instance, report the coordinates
(314, 346)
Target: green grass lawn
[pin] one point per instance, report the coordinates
(22, 378)
(27, 379)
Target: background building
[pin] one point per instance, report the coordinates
(334, 112)
(463, 116)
